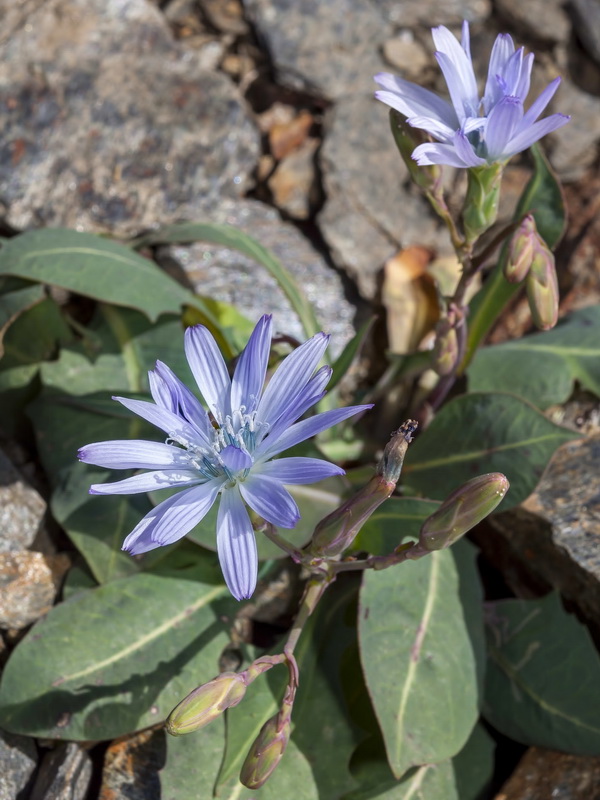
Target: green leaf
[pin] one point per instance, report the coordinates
(229, 236)
(94, 267)
(429, 782)
(478, 433)
(193, 761)
(13, 303)
(471, 598)
(543, 676)
(79, 579)
(118, 658)
(474, 765)
(543, 198)
(542, 368)
(399, 518)
(418, 660)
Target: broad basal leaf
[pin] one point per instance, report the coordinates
(543, 676)
(479, 433)
(542, 367)
(474, 765)
(116, 659)
(418, 660)
(430, 782)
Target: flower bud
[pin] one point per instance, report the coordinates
(336, 532)
(462, 510)
(521, 250)
(266, 751)
(206, 703)
(542, 288)
(407, 140)
(481, 203)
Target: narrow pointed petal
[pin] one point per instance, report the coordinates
(235, 459)
(236, 545)
(161, 393)
(464, 150)
(524, 82)
(133, 454)
(501, 51)
(269, 498)
(465, 41)
(534, 132)
(440, 130)
(540, 103)
(209, 370)
(149, 482)
(305, 399)
(187, 403)
(249, 376)
(290, 378)
(434, 153)
(170, 423)
(503, 120)
(512, 71)
(170, 520)
(298, 470)
(458, 71)
(305, 429)
(412, 100)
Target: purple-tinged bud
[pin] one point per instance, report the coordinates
(521, 250)
(407, 139)
(542, 288)
(462, 510)
(481, 203)
(266, 751)
(206, 703)
(336, 532)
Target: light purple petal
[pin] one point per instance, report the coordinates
(534, 132)
(305, 399)
(251, 368)
(458, 72)
(209, 370)
(524, 82)
(298, 470)
(133, 454)
(170, 423)
(434, 153)
(440, 130)
(412, 100)
(465, 41)
(149, 482)
(269, 498)
(305, 429)
(173, 518)
(161, 393)
(188, 404)
(501, 51)
(236, 545)
(512, 72)
(540, 103)
(464, 150)
(503, 120)
(290, 378)
(235, 459)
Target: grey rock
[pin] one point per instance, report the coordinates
(22, 509)
(65, 774)
(411, 13)
(329, 48)
(544, 20)
(549, 773)
(586, 20)
(29, 583)
(371, 210)
(111, 125)
(231, 277)
(18, 758)
(131, 767)
(575, 144)
(406, 55)
(554, 537)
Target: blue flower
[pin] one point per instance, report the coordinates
(226, 453)
(473, 131)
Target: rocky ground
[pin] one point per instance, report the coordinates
(120, 115)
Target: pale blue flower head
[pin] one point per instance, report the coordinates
(226, 452)
(472, 131)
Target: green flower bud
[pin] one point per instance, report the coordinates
(481, 203)
(407, 139)
(521, 250)
(267, 750)
(542, 288)
(206, 703)
(462, 510)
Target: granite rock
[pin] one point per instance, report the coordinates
(327, 48)
(64, 774)
(371, 209)
(18, 758)
(542, 20)
(131, 767)
(29, 583)
(586, 21)
(231, 277)
(412, 13)
(548, 774)
(408, 57)
(22, 509)
(111, 125)
(576, 144)
(552, 540)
